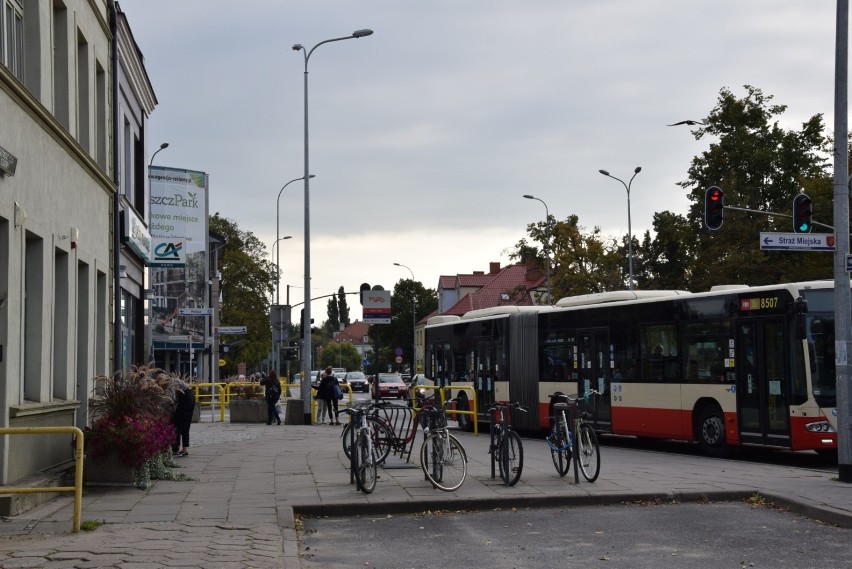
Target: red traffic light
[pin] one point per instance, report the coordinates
(714, 207)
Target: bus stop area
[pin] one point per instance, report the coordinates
(251, 483)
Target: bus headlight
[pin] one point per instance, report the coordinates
(820, 427)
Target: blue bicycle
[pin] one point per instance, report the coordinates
(565, 441)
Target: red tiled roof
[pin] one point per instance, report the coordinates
(354, 333)
(505, 281)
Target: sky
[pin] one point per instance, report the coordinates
(425, 136)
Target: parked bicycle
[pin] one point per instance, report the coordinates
(362, 460)
(506, 449)
(565, 440)
(393, 427)
(442, 457)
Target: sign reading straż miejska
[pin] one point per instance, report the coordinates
(797, 241)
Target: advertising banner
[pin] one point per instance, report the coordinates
(178, 215)
(179, 273)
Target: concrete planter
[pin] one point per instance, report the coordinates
(108, 472)
(247, 410)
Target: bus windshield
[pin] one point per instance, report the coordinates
(820, 336)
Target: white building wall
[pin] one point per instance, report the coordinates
(56, 243)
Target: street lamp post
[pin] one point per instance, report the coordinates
(162, 147)
(629, 228)
(413, 323)
(306, 334)
(278, 238)
(547, 249)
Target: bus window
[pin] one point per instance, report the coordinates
(659, 352)
(706, 349)
(557, 361)
(623, 352)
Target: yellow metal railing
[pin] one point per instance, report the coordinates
(78, 469)
(444, 394)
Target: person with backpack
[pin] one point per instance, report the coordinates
(182, 417)
(272, 393)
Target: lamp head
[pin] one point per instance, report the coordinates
(396, 264)
(362, 33)
(297, 47)
(287, 237)
(637, 170)
(312, 176)
(604, 172)
(529, 197)
(164, 145)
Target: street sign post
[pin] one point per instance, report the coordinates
(797, 241)
(195, 311)
(377, 306)
(232, 330)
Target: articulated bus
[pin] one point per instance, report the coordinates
(734, 366)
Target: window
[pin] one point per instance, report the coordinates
(706, 351)
(12, 37)
(659, 352)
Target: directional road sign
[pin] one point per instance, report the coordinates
(232, 329)
(797, 241)
(195, 311)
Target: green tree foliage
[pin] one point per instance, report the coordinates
(762, 167)
(582, 261)
(340, 354)
(759, 165)
(247, 285)
(342, 307)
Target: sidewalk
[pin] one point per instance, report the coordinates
(248, 480)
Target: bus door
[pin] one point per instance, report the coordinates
(763, 381)
(483, 380)
(594, 373)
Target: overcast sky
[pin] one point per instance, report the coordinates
(425, 136)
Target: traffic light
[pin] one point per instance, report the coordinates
(291, 354)
(714, 206)
(802, 214)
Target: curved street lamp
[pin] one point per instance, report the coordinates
(162, 147)
(629, 229)
(278, 238)
(306, 334)
(413, 323)
(547, 249)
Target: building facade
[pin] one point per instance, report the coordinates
(59, 215)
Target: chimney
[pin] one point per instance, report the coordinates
(494, 268)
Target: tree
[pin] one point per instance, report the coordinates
(333, 323)
(666, 260)
(247, 284)
(342, 307)
(340, 354)
(582, 262)
(761, 167)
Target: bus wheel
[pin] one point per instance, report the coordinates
(465, 421)
(711, 432)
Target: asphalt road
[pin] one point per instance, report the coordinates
(641, 536)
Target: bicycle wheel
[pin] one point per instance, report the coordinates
(511, 458)
(588, 452)
(382, 438)
(444, 461)
(560, 448)
(365, 465)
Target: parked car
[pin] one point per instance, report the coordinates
(391, 385)
(357, 381)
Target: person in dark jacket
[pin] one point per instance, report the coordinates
(182, 417)
(326, 393)
(272, 393)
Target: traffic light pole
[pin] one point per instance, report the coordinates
(842, 294)
(774, 214)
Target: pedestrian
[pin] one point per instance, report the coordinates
(182, 417)
(326, 397)
(272, 393)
